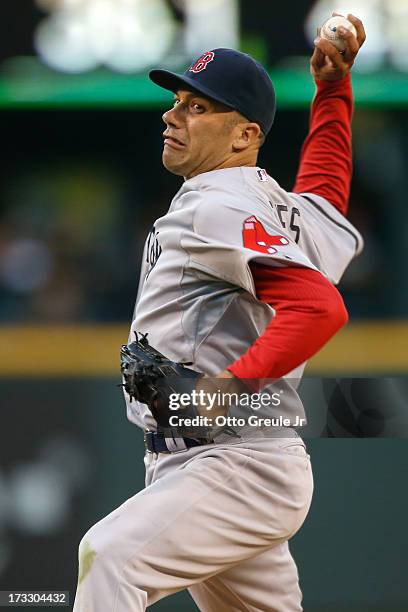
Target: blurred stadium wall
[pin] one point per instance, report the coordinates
(81, 182)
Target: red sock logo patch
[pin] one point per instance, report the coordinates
(257, 238)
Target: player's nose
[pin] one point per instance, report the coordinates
(172, 117)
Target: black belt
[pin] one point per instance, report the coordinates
(157, 443)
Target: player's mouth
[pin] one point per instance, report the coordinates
(175, 143)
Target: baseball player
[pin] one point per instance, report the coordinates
(238, 279)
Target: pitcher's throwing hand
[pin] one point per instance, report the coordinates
(328, 63)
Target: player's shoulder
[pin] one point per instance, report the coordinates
(227, 201)
(226, 192)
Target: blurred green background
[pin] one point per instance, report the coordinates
(82, 182)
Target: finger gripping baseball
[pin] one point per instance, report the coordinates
(151, 378)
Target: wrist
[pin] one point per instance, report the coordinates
(225, 374)
(336, 84)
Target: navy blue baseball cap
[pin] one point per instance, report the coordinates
(230, 77)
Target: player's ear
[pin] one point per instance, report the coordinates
(247, 134)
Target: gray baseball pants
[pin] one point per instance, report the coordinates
(214, 519)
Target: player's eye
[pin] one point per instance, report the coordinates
(175, 102)
(198, 108)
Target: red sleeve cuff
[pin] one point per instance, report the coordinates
(344, 83)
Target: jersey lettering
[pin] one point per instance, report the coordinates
(281, 208)
(294, 217)
(153, 250)
(201, 64)
(295, 228)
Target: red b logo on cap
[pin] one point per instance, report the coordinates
(201, 64)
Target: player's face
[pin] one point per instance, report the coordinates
(199, 135)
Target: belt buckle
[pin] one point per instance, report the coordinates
(145, 432)
(176, 445)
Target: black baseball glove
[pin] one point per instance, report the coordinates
(151, 378)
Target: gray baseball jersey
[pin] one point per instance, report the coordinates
(196, 297)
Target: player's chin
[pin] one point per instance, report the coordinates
(173, 161)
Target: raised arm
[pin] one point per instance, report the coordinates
(326, 160)
(309, 310)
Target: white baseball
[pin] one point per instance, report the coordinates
(329, 31)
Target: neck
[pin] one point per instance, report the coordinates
(234, 161)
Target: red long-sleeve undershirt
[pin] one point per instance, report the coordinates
(309, 310)
(326, 160)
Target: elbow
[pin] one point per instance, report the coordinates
(335, 311)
